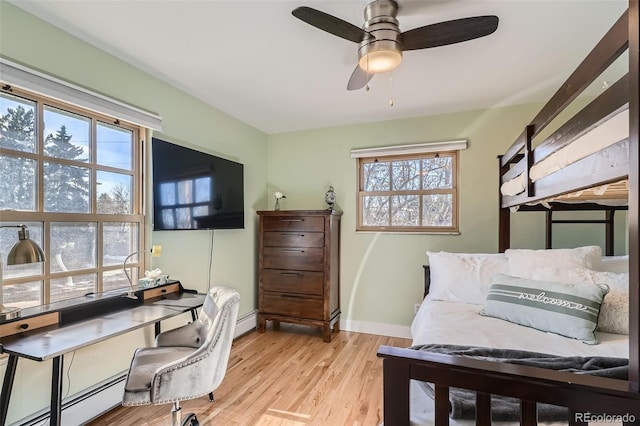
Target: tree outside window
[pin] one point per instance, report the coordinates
(409, 193)
(74, 179)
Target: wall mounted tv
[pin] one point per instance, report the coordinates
(195, 190)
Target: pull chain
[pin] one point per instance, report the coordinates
(366, 87)
(391, 90)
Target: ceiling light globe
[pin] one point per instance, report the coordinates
(380, 61)
(378, 56)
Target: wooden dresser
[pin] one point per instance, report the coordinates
(299, 269)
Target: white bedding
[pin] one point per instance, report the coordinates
(606, 134)
(461, 324)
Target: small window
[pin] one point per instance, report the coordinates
(408, 193)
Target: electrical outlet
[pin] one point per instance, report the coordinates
(416, 307)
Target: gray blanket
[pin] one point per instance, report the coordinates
(462, 401)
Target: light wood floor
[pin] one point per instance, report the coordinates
(287, 377)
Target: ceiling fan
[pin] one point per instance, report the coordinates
(382, 43)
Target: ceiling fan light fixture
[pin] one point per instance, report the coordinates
(380, 56)
(381, 41)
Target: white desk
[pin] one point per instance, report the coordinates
(54, 341)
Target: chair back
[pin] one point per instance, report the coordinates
(219, 315)
(202, 371)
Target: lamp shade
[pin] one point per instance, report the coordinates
(25, 250)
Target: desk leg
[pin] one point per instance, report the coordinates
(7, 385)
(56, 392)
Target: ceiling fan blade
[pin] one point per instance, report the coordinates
(449, 32)
(330, 24)
(359, 78)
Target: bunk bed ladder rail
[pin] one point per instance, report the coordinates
(530, 385)
(528, 159)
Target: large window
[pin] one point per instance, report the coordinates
(408, 193)
(74, 178)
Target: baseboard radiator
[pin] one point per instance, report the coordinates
(84, 406)
(91, 403)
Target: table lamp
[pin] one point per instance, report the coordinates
(155, 251)
(24, 251)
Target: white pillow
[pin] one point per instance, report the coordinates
(614, 312)
(551, 264)
(617, 264)
(464, 277)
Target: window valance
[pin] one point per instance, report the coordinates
(23, 77)
(417, 148)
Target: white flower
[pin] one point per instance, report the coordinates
(279, 195)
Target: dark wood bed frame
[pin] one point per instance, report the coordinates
(607, 220)
(581, 394)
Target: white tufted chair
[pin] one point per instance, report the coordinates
(187, 362)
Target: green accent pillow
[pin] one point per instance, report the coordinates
(569, 310)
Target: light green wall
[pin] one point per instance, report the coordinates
(381, 273)
(30, 41)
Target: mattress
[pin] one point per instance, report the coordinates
(606, 134)
(461, 324)
(616, 194)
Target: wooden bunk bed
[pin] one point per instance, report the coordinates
(606, 214)
(532, 385)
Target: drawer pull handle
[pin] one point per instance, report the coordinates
(293, 235)
(293, 220)
(286, 296)
(295, 274)
(292, 251)
(24, 326)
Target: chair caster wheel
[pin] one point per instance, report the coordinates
(190, 420)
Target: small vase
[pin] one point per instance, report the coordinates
(277, 206)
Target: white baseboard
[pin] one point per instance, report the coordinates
(249, 321)
(380, 329)
(246, 323)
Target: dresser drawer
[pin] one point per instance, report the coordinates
(293, 239)
(292, 305)
(301, 282)
(293, 223)
(302, 259)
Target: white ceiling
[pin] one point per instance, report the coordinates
(256, 62)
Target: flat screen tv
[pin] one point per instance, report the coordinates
(195, 190)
